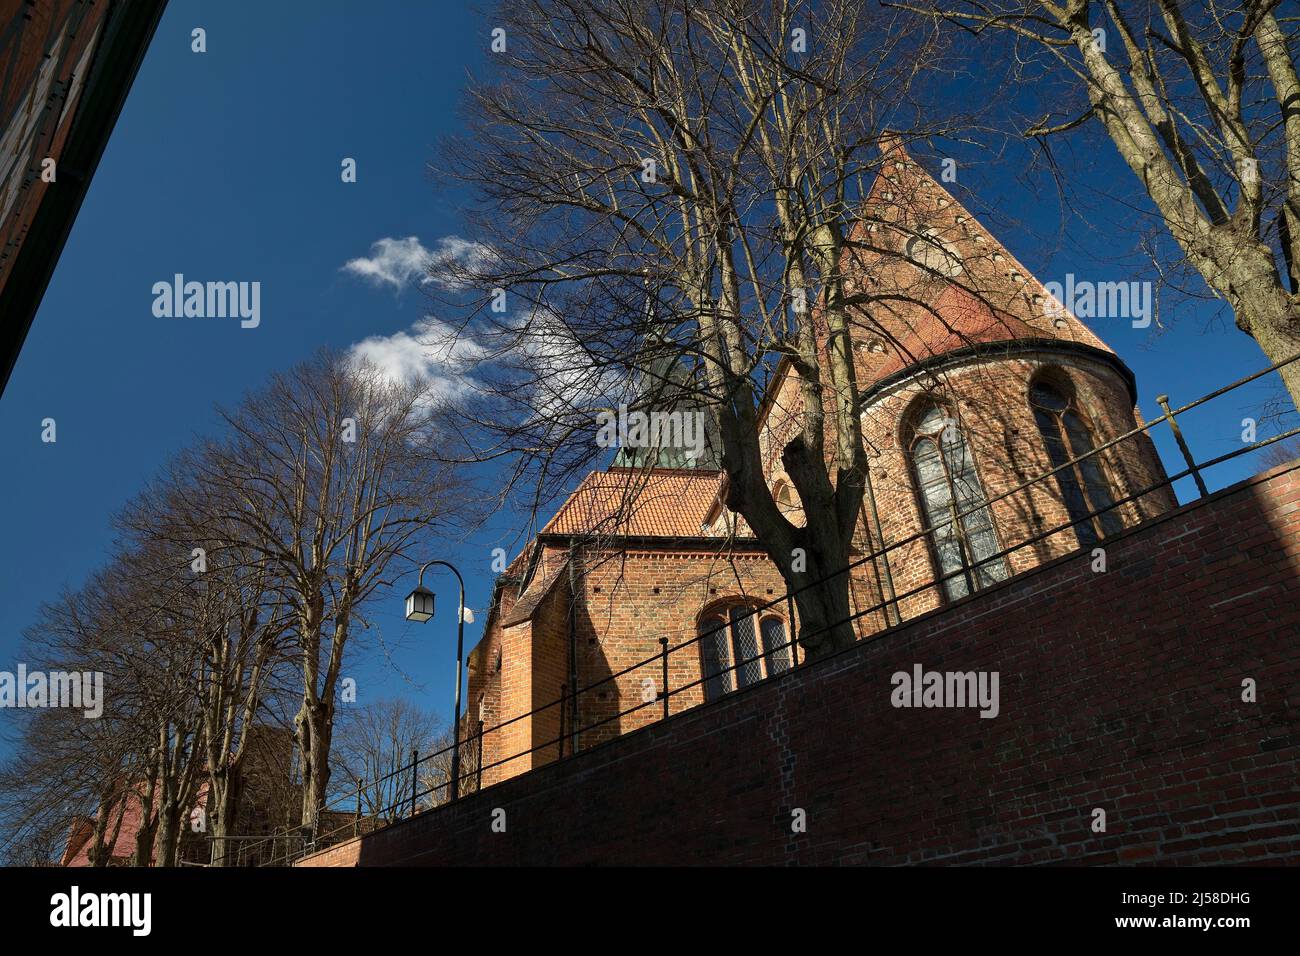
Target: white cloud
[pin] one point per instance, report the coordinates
(396, 262)
(392, 262)
(566, 381)
(431, 352)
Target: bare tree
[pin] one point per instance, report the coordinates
(669, 194)
(331, 482)
(163, 617)
(240, 625)
(375, 742)
(65, 782)
(1280, 453)
(124, 624)
(1199, 101)
(246, 561)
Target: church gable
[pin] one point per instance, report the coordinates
(536, 593)
(934, 279)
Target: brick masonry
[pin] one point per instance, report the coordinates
(671, 563)
(1119, 691)
(45, 57)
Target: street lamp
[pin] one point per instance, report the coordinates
(419, 608)
(419, 605)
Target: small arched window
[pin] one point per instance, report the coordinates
(931, 252)
(730, 656)
(953, 504)
(1083, 485)
(787, 502)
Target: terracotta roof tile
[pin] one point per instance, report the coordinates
(635, 503)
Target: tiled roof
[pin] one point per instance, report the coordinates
(636, 503)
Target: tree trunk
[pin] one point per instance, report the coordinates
(101, 849)
(223, 807)
(167, 843)
(817, 556)
(144, 837)
(824, 609)
(313, 727)
(813, 560)
(1272, 318)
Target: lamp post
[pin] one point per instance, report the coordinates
(419, 608)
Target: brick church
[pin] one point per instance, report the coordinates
(973, 380)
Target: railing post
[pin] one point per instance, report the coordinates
(478, 773)
(792, 627)
(1163, 401)
(356, 821)
(663, 645)
(415, 759)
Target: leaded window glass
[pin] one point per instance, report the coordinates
(748, 668)
(713, 651)
(730, 653)
(776, 651)
(1083, 485)
(954, 505)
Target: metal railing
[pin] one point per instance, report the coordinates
(568, 699)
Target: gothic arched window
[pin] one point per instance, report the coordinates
(776, 650)
(1084, 488)
(729, 649)
(788, 503)
(954, 505)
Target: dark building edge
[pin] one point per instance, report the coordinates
(128, 32)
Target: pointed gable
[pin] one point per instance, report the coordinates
(935, 280)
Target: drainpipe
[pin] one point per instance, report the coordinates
(573, 656)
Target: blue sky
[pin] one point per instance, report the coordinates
(226, 166)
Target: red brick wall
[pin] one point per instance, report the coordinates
(44, 60)
(483, 684)
(633, 600)
(1118, 690)
(628, 601)
(550, 653)
(989, 401)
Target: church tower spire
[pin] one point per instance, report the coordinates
(666, 392)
